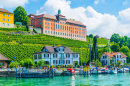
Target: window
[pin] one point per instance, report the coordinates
(40, 23)
(45, 19)
(37, 23)
(37, 19)
(40, 19)
(48, 27)
(35, 56)
(55, 55)
(8, 24)
(48, 23)
(51, 32)
(67, 55)
(51, 27)
(3, 19)
(51, 23)
(46, 55)
(45, 26)
(3, 24)
(67, 28)
(3, 14)
(48, 19)
(67, 61)
(56, 26)
(32, 21)
(39, 56)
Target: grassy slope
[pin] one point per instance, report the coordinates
(23, 46)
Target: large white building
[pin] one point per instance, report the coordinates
(108, 58)
(59, 55)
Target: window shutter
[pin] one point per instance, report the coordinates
(66, 61)
(53, 55)
(59, 61)
(53, 61)
(56, 61)
(44, 55)
(56, 55)
(48, 55)
(66, 55)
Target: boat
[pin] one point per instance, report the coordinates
(112, 71)
(96, 71)
(69, 71)
(120, 70)
(57, 72)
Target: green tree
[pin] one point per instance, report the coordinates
(119, 63)
(13, 64)
(115, 37)
(95, 49)
(115, 48)
(124, 49)
(28, 62)
(91, 35)
(97, 63)
(20, 15)
(22, 63)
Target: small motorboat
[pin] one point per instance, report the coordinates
(96, 71)
(112, 71)
(69, 71)
(120, 70)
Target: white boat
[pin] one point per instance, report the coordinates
(121, 70)
(112, 71)
(94, 71)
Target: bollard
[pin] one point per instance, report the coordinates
(16, 72)
(123, 69)
(129, 69)
(52, 73)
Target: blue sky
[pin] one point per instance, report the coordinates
(102, 17)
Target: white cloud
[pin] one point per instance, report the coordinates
(12, 3)
(98, 24)
(96, 2)
(125, 16)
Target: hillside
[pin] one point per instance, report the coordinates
(23, 46)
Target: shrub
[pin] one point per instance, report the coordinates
(69, 66)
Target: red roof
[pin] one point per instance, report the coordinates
(4, 10)
(55, 18)
(114, 54)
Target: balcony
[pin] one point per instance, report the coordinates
(62, 57)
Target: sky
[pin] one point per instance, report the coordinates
(102, 17)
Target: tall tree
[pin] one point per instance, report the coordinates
(115, 37)
(20, 15)
(95, 49)
(115, 48)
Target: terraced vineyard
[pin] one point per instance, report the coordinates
(23, 46)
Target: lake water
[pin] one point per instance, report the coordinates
(93, 80)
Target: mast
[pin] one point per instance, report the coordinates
(81, 55)
(90, 52)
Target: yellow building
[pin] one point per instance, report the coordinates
(6, 18)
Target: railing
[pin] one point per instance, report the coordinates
(62, 57)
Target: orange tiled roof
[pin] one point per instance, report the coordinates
(114, 54)
(55, 18)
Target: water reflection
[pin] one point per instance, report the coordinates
(73, 81)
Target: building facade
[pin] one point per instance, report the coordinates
(4, 61)
(6, 18)
(108, 58)
(59, 26)
(59, 55)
